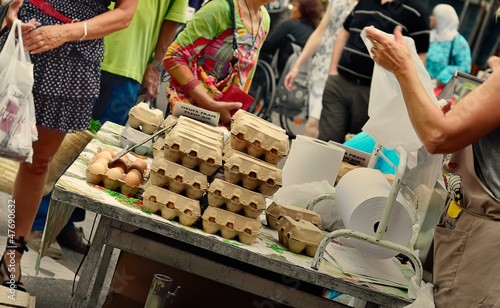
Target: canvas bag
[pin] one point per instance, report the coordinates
(17, 110)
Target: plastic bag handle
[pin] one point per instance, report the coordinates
(18, 49)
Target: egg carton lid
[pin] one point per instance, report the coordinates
(186, 121)
(245, 196)
(248, 164)
(172, 170)
(301, 231)
(250, 131)
(165, 196)
(245, 116)
(275, 211)
(187, 144)
(142, 114)
(215, 141)
(240, 223)
(131, 136)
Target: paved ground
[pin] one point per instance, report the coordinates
(53, 284)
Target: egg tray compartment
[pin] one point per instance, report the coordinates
(230, 225)
(112, 184)
(298, 236)
(178, 178)
(236, 198)
(258, 137)
(277, 210)
(190, 153)
(171, 205)
(252, 172)
(158, 147)
(140, 116)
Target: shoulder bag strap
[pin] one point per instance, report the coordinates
(234, 60)
(48, 9)
(450, 58)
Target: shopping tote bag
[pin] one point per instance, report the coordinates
(17, 111)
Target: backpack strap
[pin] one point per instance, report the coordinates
(450, 58)
(234, 60)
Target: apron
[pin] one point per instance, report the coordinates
(467, 241)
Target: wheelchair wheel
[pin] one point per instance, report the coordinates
(294, 125)
(262, 90)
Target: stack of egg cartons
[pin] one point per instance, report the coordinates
(251, 173)
(143, 122)
(178, 178)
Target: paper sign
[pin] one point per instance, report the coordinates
(353, 156)
(197, 113)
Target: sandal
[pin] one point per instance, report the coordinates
(18, 285)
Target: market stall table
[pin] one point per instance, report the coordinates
(264, 268)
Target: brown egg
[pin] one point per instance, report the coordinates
(102, 161)
(141, 163)
(109, 151)
(104, 155)
(125, 158)
(133, 178)
(97, 168)
(115, 173)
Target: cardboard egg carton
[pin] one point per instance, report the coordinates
(192, 151)
(178, 178)
(275, 211)
(140, 116)
(197, 126)
(298, 236)
(171, 205)
(252, 172)
(230, 225)
(258, 137)
(158, 146)
(236, 198)
(112, 184)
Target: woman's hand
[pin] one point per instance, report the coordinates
(11, 16)
(224, 109)
(151, 82)
(289, 79)
(44, 38)
(393, 56)
(494, 63)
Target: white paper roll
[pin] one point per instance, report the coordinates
(312, 160)
(361, 195)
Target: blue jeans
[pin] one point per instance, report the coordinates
(117, 95)
(41, 216)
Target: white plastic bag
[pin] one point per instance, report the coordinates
(17, 110)
(423, 294)
(389, 123)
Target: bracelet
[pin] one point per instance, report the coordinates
(84, 30)
(158, 65)
(294, 70)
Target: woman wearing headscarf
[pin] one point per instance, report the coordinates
(448, 51)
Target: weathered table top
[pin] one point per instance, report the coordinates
(266, 252)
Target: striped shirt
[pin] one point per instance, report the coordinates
(411, 15)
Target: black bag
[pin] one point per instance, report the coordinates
(291, 103)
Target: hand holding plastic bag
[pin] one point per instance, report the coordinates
(17, 111)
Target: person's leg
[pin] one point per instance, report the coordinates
(117, 95)
(335, 117)
(28, 188)
(315, 106)
(359, 108)
(72, 237)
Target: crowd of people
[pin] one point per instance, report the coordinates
(78, 74)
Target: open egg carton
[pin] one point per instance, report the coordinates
(122, 174)
(178, 178)
(236, 198)
(192, 148)
(230, 225)
(171, 205)
(253, 173)
(275, 211)
(258, 137)
(299, 235)
(143, 118)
